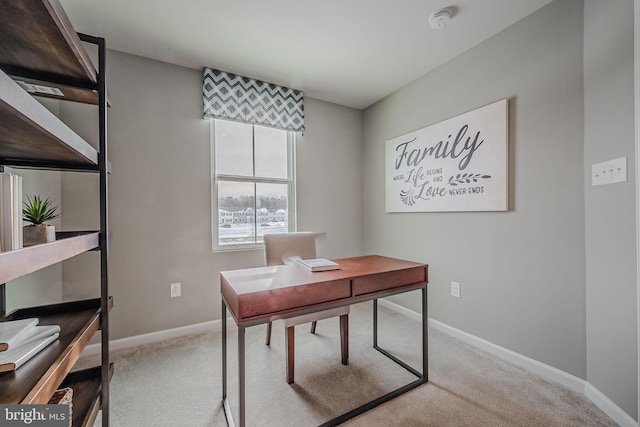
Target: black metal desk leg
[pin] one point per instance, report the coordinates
(422, 376)
(225, 400)
(375, 323)
(224, 351)
(241, 373)
(425, 335)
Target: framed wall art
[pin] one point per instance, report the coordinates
(460, 164)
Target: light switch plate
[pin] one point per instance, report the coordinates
(455, 289)
(609, 172)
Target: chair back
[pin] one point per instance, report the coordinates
(278, 246)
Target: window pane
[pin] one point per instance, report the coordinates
(236, 213)
(273, 209)
(247, 208)
(234, 148)
(271, 152)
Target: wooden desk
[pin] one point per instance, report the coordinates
(257, 295)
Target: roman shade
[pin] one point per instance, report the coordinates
(232, 97)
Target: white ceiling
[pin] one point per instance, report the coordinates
(350, 52)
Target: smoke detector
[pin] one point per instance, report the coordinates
(440, 18)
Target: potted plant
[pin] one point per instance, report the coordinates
(37, 212)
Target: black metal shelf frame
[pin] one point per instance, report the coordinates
(103, 163)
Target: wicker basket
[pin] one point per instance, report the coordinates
(64, 396)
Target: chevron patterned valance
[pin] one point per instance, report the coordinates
(232, 97)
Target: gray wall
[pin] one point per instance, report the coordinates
(555, 277)
(329, 178)
(612, 334)
(160, 195)
(522, 272)
(43, 286)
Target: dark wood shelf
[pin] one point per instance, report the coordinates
(31, 135)
(86, 385)
(38, 42)
(36, 380)
(57, 91)
(17, 263)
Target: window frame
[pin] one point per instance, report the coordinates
(215, 178)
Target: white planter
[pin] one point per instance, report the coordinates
(36, 234)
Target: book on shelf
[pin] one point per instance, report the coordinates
(22, 339)
(10, 211)
(37, 333)
(14, 331)
(316, 264)
(11, 360)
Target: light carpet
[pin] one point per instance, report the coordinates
(178, 382)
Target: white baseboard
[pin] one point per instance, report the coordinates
(608, 407)
(154, 337)
(548, 372)
(402, 310)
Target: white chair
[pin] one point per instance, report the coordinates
(278, 247)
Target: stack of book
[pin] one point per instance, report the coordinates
(10, 211)
(22, 339)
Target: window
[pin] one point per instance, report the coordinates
(253, 186)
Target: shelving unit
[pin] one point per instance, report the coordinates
(40, 50)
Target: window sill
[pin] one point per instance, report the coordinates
(238, 248)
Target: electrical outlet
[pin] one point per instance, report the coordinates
(609, 172)
(176, 289)
(455, 289)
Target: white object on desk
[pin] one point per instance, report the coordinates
(316, 264)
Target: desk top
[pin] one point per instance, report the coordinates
(268, 293)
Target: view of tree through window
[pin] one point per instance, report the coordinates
(252, 182)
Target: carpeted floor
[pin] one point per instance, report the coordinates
(178, 382)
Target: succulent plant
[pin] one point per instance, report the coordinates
(37, 211)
